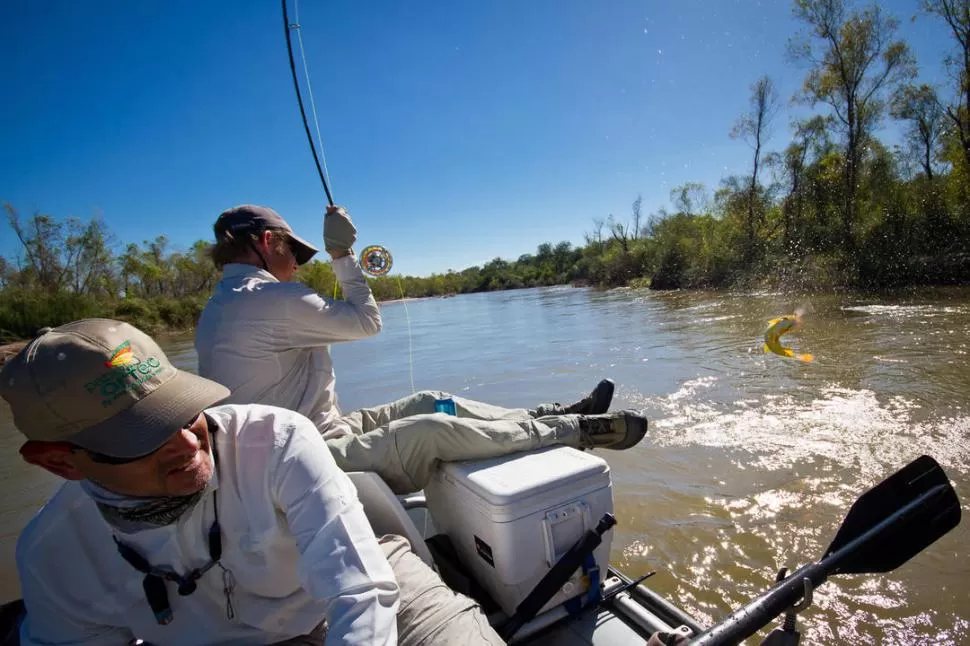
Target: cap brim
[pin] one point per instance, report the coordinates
(303, 250)
(152, 420)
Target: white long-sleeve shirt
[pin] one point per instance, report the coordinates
(269, 341)
(294, 536)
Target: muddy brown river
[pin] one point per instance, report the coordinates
(752, 459)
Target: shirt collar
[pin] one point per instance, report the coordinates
(243, 270)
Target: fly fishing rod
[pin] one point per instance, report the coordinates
(299, 98)
(375, 260)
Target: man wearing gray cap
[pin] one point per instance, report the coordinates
(184, 520)
(267, 338)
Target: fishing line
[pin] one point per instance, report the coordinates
(407, 316)
(309, 88)
(375, 260)
(299, 98)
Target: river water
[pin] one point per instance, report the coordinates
(752, 459)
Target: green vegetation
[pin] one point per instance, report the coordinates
(834, 208)
(67, 270)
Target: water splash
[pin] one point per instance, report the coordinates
(793, 463)
(849, 428)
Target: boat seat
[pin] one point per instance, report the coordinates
(386, 513)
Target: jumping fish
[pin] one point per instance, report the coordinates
(779, 327)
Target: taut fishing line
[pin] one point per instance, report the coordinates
(375, 260)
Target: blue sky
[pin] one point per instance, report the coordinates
(454, 132)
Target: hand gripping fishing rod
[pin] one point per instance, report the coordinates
(886, 526)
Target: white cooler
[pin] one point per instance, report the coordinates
(511, 518)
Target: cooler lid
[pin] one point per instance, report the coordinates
(510, 478)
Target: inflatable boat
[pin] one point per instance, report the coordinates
(529, 536)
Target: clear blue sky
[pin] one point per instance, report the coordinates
(455, 132)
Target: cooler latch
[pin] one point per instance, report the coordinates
(562, 527)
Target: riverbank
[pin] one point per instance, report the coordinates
(8, 350)
(138, 313)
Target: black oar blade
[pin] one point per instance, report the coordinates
(912, 531)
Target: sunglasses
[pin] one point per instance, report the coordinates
(101, 458)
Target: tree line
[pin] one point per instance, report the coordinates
(834, 208)
(69, 269)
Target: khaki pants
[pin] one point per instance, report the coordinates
(403, 441)
(430, 613)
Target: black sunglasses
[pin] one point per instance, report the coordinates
(101, 458)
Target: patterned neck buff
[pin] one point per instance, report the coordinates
(131, 514)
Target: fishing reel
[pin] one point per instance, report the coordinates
(375, 260)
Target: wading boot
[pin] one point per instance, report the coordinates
(596, 402)
(618, 430)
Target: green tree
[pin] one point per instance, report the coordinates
(854, 62)
(754, 128)
(6, 273)
(794, 172)
(690, 198)
(956, 14)
(42, 240)
(920, 108)
(89, 259)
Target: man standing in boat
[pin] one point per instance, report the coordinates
(239, 509)
(267, 338)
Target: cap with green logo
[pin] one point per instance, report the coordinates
(103, 385)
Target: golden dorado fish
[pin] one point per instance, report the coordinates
(779, 327)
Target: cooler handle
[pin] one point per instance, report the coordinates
(563, 514)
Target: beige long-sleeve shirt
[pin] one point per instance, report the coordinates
(269, 341)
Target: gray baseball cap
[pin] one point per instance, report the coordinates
(251, 218)
(103, 385)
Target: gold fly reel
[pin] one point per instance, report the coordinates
(375, 260)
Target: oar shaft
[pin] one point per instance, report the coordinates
(748, 620)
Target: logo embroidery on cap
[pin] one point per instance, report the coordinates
(126, 372)
(121, 356)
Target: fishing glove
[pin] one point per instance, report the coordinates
(339, 233)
